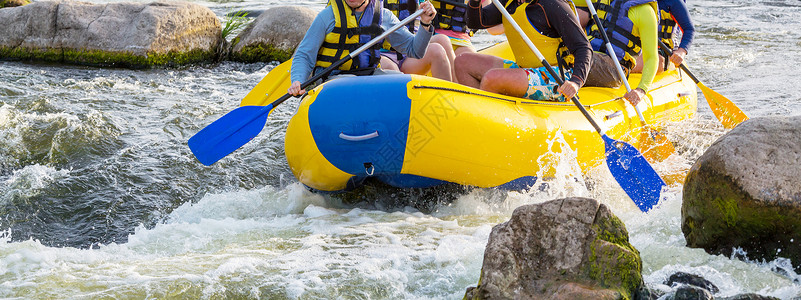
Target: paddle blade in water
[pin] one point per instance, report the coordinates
(228, 133)
(726, 111)
(655, 146)
(634, 174)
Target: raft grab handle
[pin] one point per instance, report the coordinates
(357, 138)
(613, 115)
(369, 168)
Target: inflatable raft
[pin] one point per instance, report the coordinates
(418, 131)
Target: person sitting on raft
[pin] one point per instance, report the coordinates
(435, 60)
(451, 23)
(553, 27)
(674, 13)
(345, 25)
(631, 24)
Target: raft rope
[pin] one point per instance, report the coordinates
(507, 99)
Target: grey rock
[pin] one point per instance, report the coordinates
(745, 192)
(646, 293)
(750, 296)
(273, 35)
(689, 292)
(118, 33)
(13, 3)
(572, 248)
(691, 279)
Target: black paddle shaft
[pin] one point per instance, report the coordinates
(683, 67)
(601, 29)
(547, 65)
(574, 99)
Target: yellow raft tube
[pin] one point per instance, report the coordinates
(418, 131)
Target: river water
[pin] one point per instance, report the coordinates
(101, 198)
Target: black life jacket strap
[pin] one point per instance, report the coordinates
(342, 37)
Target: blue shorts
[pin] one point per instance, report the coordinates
(541, 85)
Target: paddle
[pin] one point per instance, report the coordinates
(270, 87)
(236, 128)
(726, 111)
(655, 145)
(634, 174)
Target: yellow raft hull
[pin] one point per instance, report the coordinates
(446, 132)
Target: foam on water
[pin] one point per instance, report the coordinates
(29, 182)
(271, 242)
(45, 137)
(263, 242)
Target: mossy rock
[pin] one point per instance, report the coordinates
(745, 192)
(613, 261)
(13, 3)
(99, 58)
(572, 248)
(273, 35)
(135, 35)
(261, 53)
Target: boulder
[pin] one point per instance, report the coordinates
(13, 3)
(681, 278)
(749, 296)
(690, 292)
(572, 248)
(745, 192)
(274, 35)
(112, 34)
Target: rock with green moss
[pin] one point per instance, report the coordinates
(274, 35)
(745, 192)
(13, 3)
(572, 248)
(113, 34)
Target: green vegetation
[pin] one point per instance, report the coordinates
(261, 52)
(718, 216)
(13, 3)
(612, 248)
(236, 21)
(106, 58)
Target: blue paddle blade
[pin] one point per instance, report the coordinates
(634, 174)
(228, 133)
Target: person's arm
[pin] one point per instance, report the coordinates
(479, 17)
(497, 29)
(403, 41)
(305, 56)
(644, 18)
(565, 23)
(679, 11)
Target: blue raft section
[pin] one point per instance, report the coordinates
(363, 131)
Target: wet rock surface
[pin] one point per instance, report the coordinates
(745, 192)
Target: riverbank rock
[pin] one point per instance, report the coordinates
(274, 35)
(113, 34)
(13, 3)
(745, 192)
(572, 248)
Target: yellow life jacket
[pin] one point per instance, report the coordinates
(349, 34)
(401, 9)
(619, 29)
(550, 47)
(666, 26)
(450, 17)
